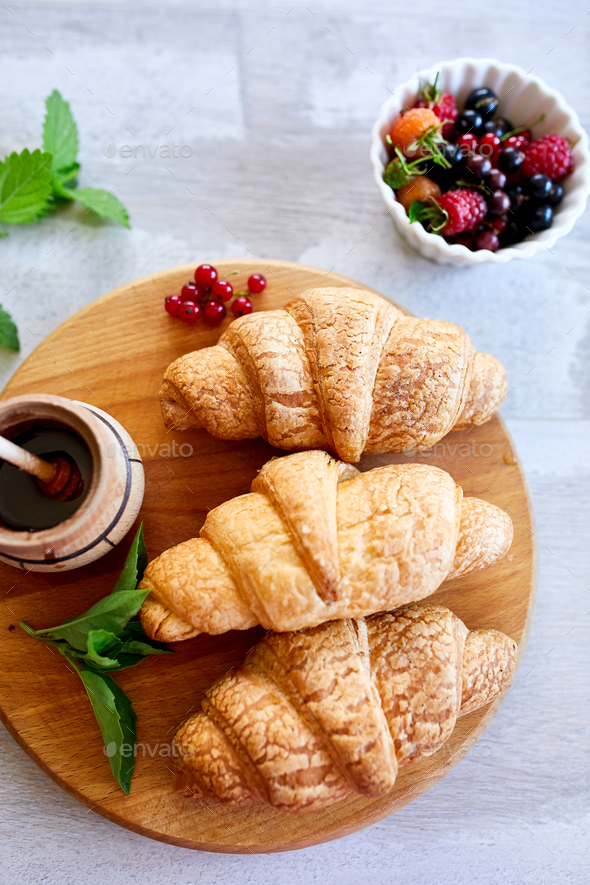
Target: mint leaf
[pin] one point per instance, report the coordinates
(66, 176)
(110, 613)
(60, 135)
(104, 204)
(99, 641)
(25, 186)
(117, 721)
(135, 564)
(8, 332)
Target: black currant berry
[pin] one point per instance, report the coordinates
(498, 203)
(496, 179)
(539, 186)
(512, 234)
(490, 127)
(540, 218)
(484, 101)
(510, 159)
(479, 166)
(555, 194)
(469, 121)
(517, 198)
(503, 124)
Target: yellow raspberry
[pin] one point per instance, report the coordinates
(421, 188)
(412, 125)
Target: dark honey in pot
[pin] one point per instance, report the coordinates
(24, 506)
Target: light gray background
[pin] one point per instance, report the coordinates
(277, 104)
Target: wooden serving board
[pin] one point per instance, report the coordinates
(112, 354)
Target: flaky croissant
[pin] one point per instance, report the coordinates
(316, 540)
(338, 369)
(313, 716)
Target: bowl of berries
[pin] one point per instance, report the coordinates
(478, 161)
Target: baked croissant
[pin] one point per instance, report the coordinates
(316, 540)
(315, 715)
(338, 369)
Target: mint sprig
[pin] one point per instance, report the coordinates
(105, 639)
(34, 184)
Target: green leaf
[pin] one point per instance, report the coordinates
(110, 613)
(60, 135)
(25, 186)
(417, 210)
(104, 204)
(135, 647)
(66, 176)
(429, 213)
(8, 332)
(135, 564)
(117, 721)
(100, 641)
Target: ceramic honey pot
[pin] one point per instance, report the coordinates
(38, 533)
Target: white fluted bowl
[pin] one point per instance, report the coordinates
(523, 98)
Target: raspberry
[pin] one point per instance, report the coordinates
(453, 213)
(411, 125)
(465, 209)
(550, 155)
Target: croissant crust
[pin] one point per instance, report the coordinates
(313, 716)
(339, 369)
(316, 540)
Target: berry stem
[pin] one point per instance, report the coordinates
(520, 129)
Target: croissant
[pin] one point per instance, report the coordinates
(313, 716)
(338, 369)
(316, 540)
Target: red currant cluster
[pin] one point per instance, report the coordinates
(208, 295)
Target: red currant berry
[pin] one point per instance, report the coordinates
(487, 239)
(205, 276)
(221, 291)
(241, 306)
(467, 143)
(214, 312)
(464, 239)
(172, 305)
(498, 224)
(527, 136)
(490, 146)
(189, 292)
(516, 141)
(256, 284)
(189, 312)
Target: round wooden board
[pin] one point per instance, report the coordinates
(112, 354)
